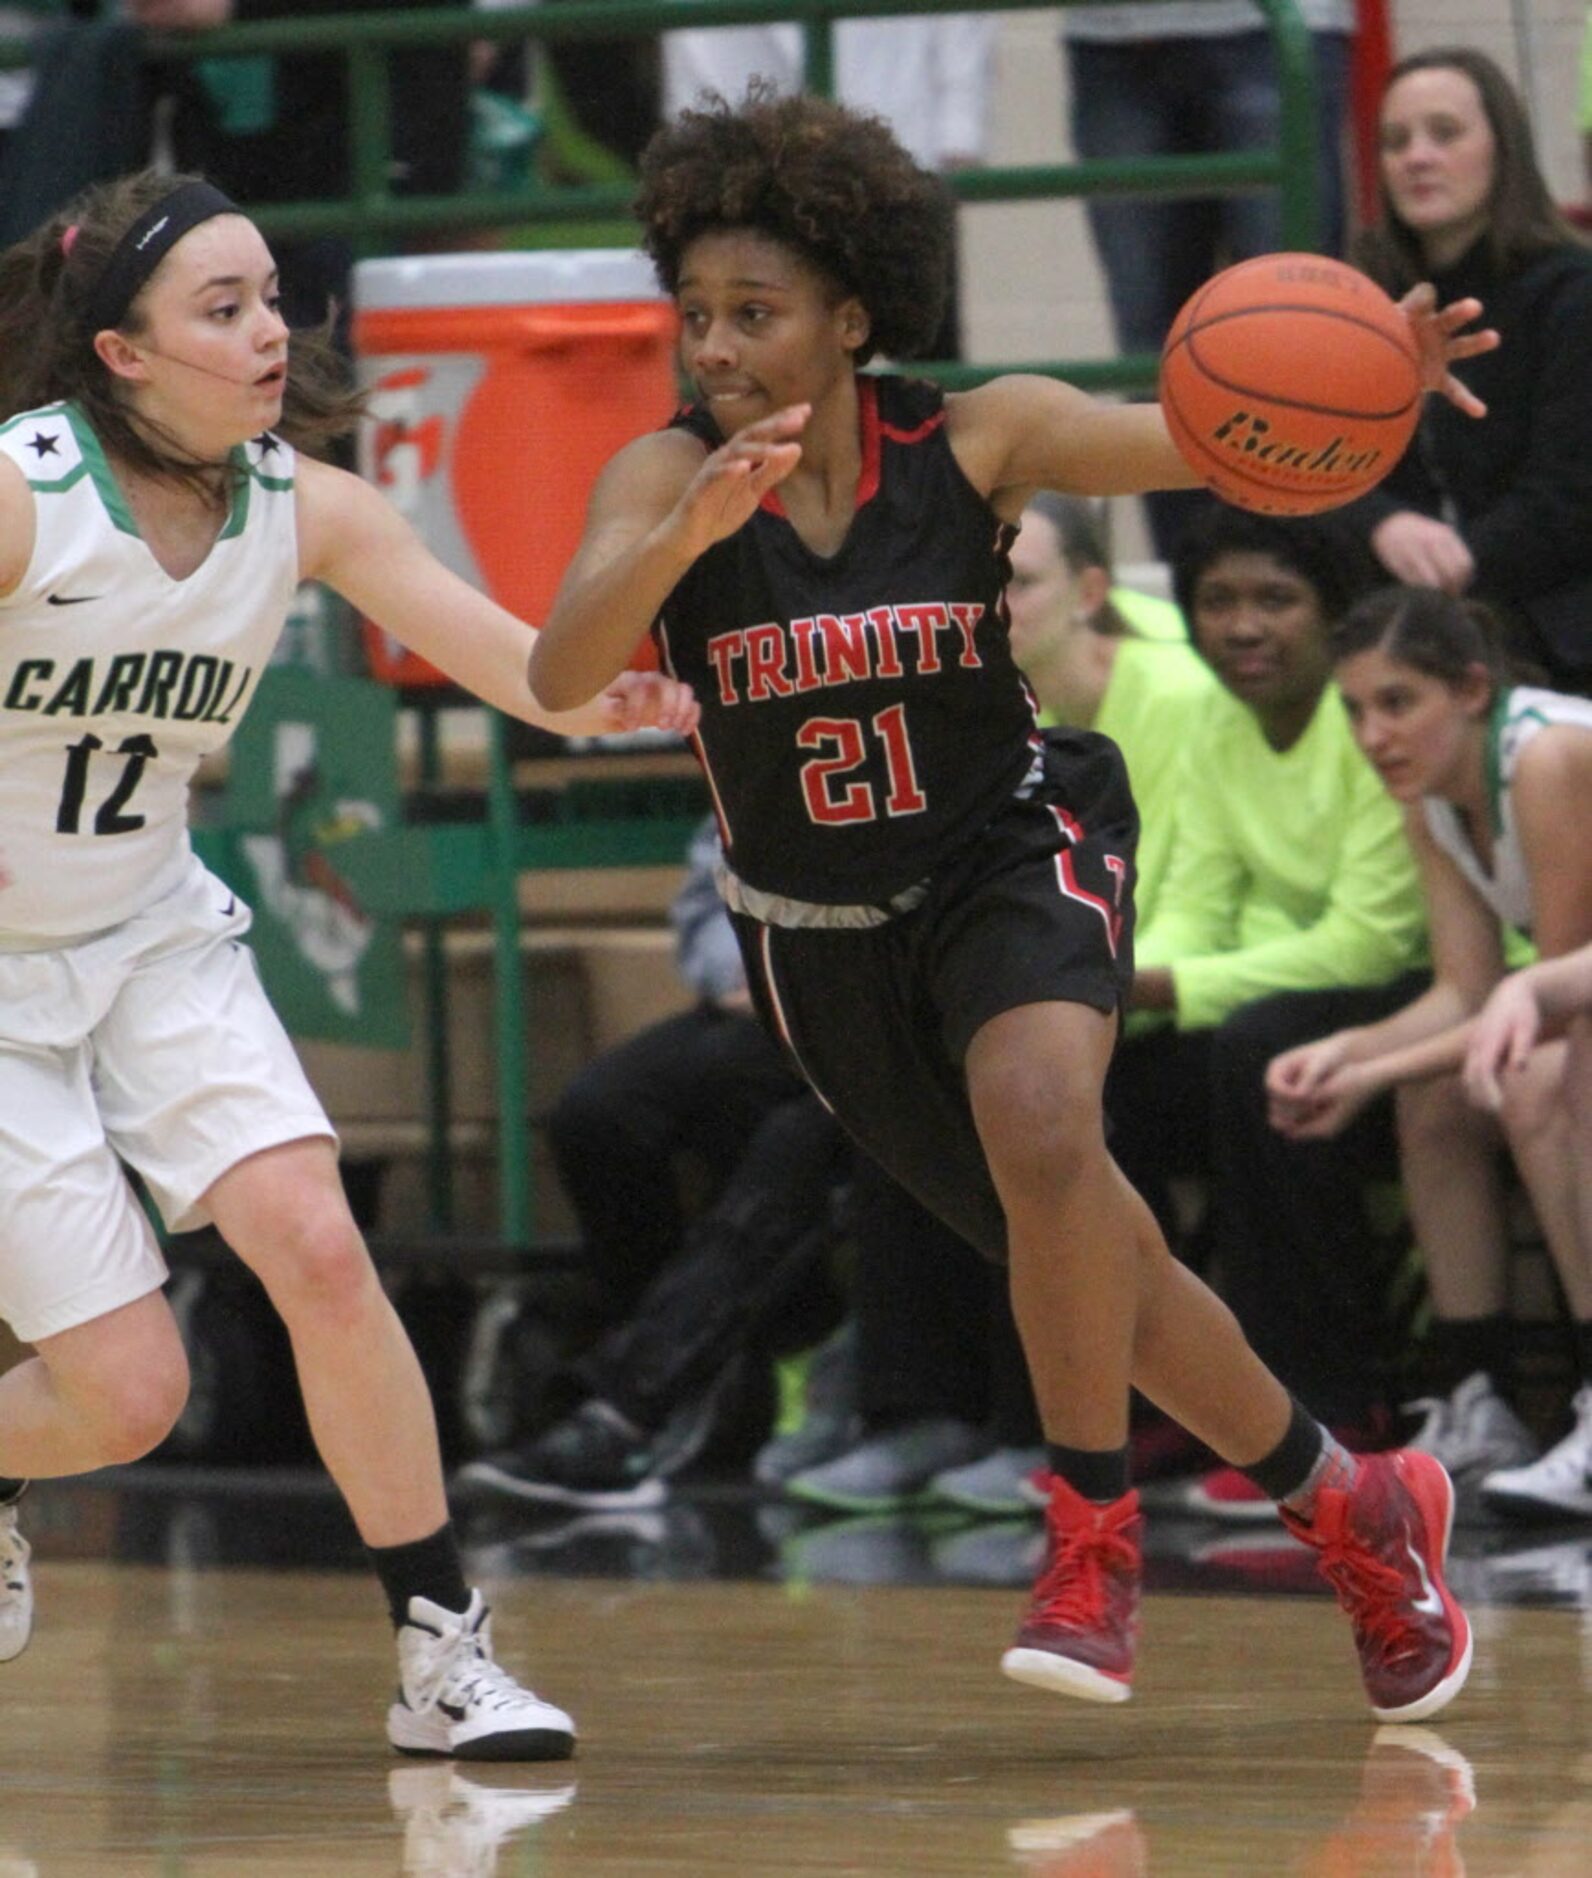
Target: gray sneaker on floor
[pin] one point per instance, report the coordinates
(829, 1425)
(889, 1470)
(992, 1486)
(1472, 1432)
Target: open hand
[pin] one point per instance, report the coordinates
(1501, 1040)
(724, 494)
(1442, 344)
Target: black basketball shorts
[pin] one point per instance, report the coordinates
(1038, 908)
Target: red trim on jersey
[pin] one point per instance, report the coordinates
(926, 429)
(765, 958)
(699, 749)
(868, 427)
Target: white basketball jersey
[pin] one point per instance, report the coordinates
(116, 679)
(1517, 717)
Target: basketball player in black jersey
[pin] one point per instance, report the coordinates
(934, 900)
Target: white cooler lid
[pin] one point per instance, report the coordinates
(519, 277)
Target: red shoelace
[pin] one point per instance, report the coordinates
(1071, 1591)
(1373, 1593)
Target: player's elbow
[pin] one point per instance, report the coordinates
(555, 687)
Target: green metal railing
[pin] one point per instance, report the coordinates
(371, 210)
(433, 875)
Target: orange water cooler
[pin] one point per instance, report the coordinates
(500, 384)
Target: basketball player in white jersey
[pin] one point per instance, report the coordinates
(1496, 779)
(155, 520)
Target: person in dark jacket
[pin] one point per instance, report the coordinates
(276, 129)
(1501, 508)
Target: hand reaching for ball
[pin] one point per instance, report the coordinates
(1291, 383)
(1441, 343)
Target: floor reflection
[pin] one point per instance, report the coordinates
(291, 1518)
(455, 1825)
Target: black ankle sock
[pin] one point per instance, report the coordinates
(1286, 1469)
(1097, 1473)
(1457, 1347)
(425, 1568)
(1583, 1349)
(11, 1490)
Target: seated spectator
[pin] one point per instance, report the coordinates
(1499, 508)
(683, 1291)
(937, 1346)
(1290, 901)
(922, 1304)
(1495, 780)
(650, 1394)
(685, 1095)
(269, 128)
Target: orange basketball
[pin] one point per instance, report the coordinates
(1290, 383)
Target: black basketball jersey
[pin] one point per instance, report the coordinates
(862, 716)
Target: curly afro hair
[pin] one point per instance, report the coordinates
(829, 183)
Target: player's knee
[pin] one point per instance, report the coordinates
(322, 1269)
(1578, 1079)
(1434, 1115)
(137, 1408)
(1041, 1135)
(1532, 1108)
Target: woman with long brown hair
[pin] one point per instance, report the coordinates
(1500, 508)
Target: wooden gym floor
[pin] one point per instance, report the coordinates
(760, 1695)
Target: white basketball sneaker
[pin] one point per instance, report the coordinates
(1559, 1484)
(454, 1699)
(16, 1586)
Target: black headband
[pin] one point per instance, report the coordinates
(147, 243)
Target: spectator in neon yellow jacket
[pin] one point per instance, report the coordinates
(1291, 895)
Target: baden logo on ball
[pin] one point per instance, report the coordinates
(1291, 383)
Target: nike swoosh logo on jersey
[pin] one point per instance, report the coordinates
(71, 599)
(231, 905)
(1428, 1601)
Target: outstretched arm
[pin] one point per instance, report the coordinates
(353, 539)
(1018, 432)
(660, 503)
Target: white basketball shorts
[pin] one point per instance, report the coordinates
(151, 1044)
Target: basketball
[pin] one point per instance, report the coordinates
(1291, 383)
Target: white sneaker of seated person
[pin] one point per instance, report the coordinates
(1559, 1484)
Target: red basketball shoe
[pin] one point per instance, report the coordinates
(1382, 1543)
(1083, 1624)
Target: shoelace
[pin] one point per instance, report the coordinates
(1072, 1589)
(1372, 1592)
(460, 1668)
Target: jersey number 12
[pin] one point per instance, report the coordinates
(108, 817)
